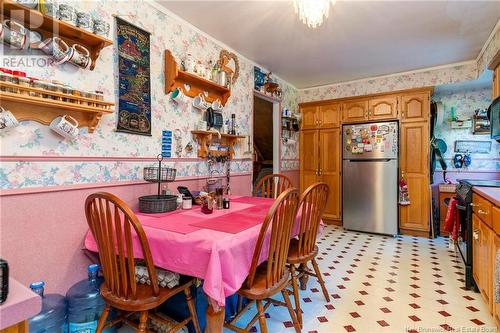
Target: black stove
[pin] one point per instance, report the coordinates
(464, 197)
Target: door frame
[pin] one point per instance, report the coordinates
(276, 127)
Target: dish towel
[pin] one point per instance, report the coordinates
(452, 223)
(497, 277)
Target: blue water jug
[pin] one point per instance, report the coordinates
(52, 318)
(85, 304)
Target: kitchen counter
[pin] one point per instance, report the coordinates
(490, 193)
(20, 305)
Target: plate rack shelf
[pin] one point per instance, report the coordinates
(177, 78)
(49, 27)
(27, 103)
(205, 139)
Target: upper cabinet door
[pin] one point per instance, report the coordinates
(309, 117)
(329, 116)
(355, 111)
(415, 107)
(383, 108)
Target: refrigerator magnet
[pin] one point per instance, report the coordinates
(368, 147)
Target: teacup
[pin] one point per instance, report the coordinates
(67, 13)
(57, 48)
(178, 96)
(101, 27)
(200, 103)
(49, 8)
(217, 105)
(7, 120)
(80, 56)
(13, 34)
(84, 21)
(66, 126)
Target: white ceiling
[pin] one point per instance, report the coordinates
(360, 39)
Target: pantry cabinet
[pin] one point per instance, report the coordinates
(324, 116)
(485, 244)
(414, 167)
(494, 66)
(21, 327)
(320, 157)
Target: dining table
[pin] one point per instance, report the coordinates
(217, 248)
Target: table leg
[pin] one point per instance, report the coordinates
(215, 318)
(305, 277)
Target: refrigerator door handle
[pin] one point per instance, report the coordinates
(372, 160)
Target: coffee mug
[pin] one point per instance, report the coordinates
(67, 13)
(178, 96)
(101, 27)
(80, 56)
(57, 48)
(13, 34)
(49, 7)
(66, 126)
(217, 105)
(7, 120)
(201, 125)
(200, 103)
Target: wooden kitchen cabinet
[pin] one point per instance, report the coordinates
(486, 285)
(496, 247)
(476, 250)
(320, 155)
(355, 111)
(309, 117)
(21, 327)
(415, 107)
(329, 115)
(329, 170)
(414, 164)
(383, 108)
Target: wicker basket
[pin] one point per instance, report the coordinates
(157, 204)
(166, 174)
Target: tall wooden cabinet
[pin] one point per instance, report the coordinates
(494, 66)
(321, 151)
(320, 154)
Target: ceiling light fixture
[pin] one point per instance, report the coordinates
(312, 12)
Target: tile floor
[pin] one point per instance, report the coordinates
(385, 284)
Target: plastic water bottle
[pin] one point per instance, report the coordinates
(52, 318)
(85, 304)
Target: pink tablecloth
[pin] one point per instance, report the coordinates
(221, 259)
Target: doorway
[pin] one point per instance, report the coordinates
(266, 120)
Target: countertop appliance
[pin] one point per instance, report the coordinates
(464, 197)
(370, 177)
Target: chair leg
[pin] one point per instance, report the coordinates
(143, 320)
(240, 303)
(262, 317)
(320, 280)
(192, 310)
(296, 295)
(102, 319)
(304, 278)
(296, 324)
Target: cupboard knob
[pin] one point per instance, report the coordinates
(476, 234)
(480, 211)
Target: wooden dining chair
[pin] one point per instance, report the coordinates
(112, 224)
(272, 276)
(303, 248)
(271, 186)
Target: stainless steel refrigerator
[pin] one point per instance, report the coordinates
(370, 177)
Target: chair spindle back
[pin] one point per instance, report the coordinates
(271, 186)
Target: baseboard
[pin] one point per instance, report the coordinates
(332, 221)
(415, 233)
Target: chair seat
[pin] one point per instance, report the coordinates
(259, 290)
(146, 300)
(293, 253)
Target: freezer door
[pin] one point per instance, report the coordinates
(374, 140)
(370, 195)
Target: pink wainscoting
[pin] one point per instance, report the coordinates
(42, 233)
(294, 176)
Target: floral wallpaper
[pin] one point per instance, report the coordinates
(388, 83)
(34, 139)
(466, 102)
(490, 51)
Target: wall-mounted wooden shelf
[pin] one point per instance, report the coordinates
(205, 139)
(24, 106)
(177, 78)
(48, 27)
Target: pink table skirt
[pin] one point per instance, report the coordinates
(221, 259)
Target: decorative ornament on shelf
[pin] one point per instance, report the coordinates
(224, 58)
(313, 12)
